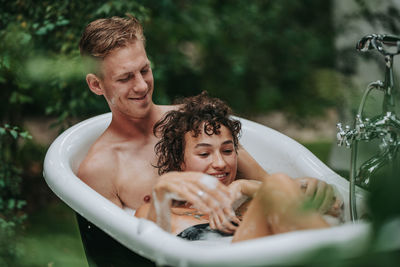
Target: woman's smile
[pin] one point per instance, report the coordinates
(211, 154)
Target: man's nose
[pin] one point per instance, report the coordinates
(140, 84)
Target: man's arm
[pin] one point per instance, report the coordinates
(97, 173)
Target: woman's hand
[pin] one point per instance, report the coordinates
(321, 196)
(204, 192)
(243, 189)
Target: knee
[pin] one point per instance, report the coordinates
(280, 182)
(280, 179)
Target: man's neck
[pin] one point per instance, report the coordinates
(131, 127)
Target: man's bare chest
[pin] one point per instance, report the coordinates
(136, 178)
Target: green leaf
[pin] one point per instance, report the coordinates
(18, 98)
(11, 204)
(25, 38)
(62, 22)
(20, 204)
(5, 61)
(25, 135)
(14, 134)
(41, 31)
(14, 97)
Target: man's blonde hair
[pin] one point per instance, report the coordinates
(102, 36)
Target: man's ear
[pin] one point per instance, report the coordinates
(94, 84)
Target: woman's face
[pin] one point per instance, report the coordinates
(211, 154)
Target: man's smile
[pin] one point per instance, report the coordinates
(139, 98)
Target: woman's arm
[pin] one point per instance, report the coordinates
(321, 194)
(248, 167)
(204, 192)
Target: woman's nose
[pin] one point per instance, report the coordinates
(218, 162)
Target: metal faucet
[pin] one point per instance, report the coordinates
(385, 126)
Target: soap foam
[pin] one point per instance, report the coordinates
(163, 210)
(209, 181)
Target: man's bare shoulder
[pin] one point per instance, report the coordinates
(98, 169)
(97, 157)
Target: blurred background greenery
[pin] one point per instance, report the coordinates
(261, 57)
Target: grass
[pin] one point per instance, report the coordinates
(52, 239)
(320, 149)
(52, 236)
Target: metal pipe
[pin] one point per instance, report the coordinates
(386, 125)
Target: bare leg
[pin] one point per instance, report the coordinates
(278, 207)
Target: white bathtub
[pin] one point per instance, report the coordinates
(274, 151)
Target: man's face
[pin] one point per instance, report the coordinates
(127, 81)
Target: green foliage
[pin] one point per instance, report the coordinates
(11, 215)
(384, 189)
(40, 67)
(248, 53)
(256, 55)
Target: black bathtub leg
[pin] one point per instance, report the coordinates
(102, 250)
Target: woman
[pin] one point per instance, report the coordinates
(200, 141)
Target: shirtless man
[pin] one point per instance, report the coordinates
(119, 165)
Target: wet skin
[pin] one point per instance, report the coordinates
(119, 164)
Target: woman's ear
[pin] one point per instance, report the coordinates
(183, 166)
(94, 84)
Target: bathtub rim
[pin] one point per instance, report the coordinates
(137, 234)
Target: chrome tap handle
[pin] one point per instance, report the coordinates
(340, 136)
(385, 44)
(343, 136)
(360, 126)
(365, 43)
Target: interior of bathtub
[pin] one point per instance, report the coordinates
(143, 239)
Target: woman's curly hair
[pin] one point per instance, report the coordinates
(194, 112)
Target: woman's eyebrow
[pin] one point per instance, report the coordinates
(202, 144)
(208, 145)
